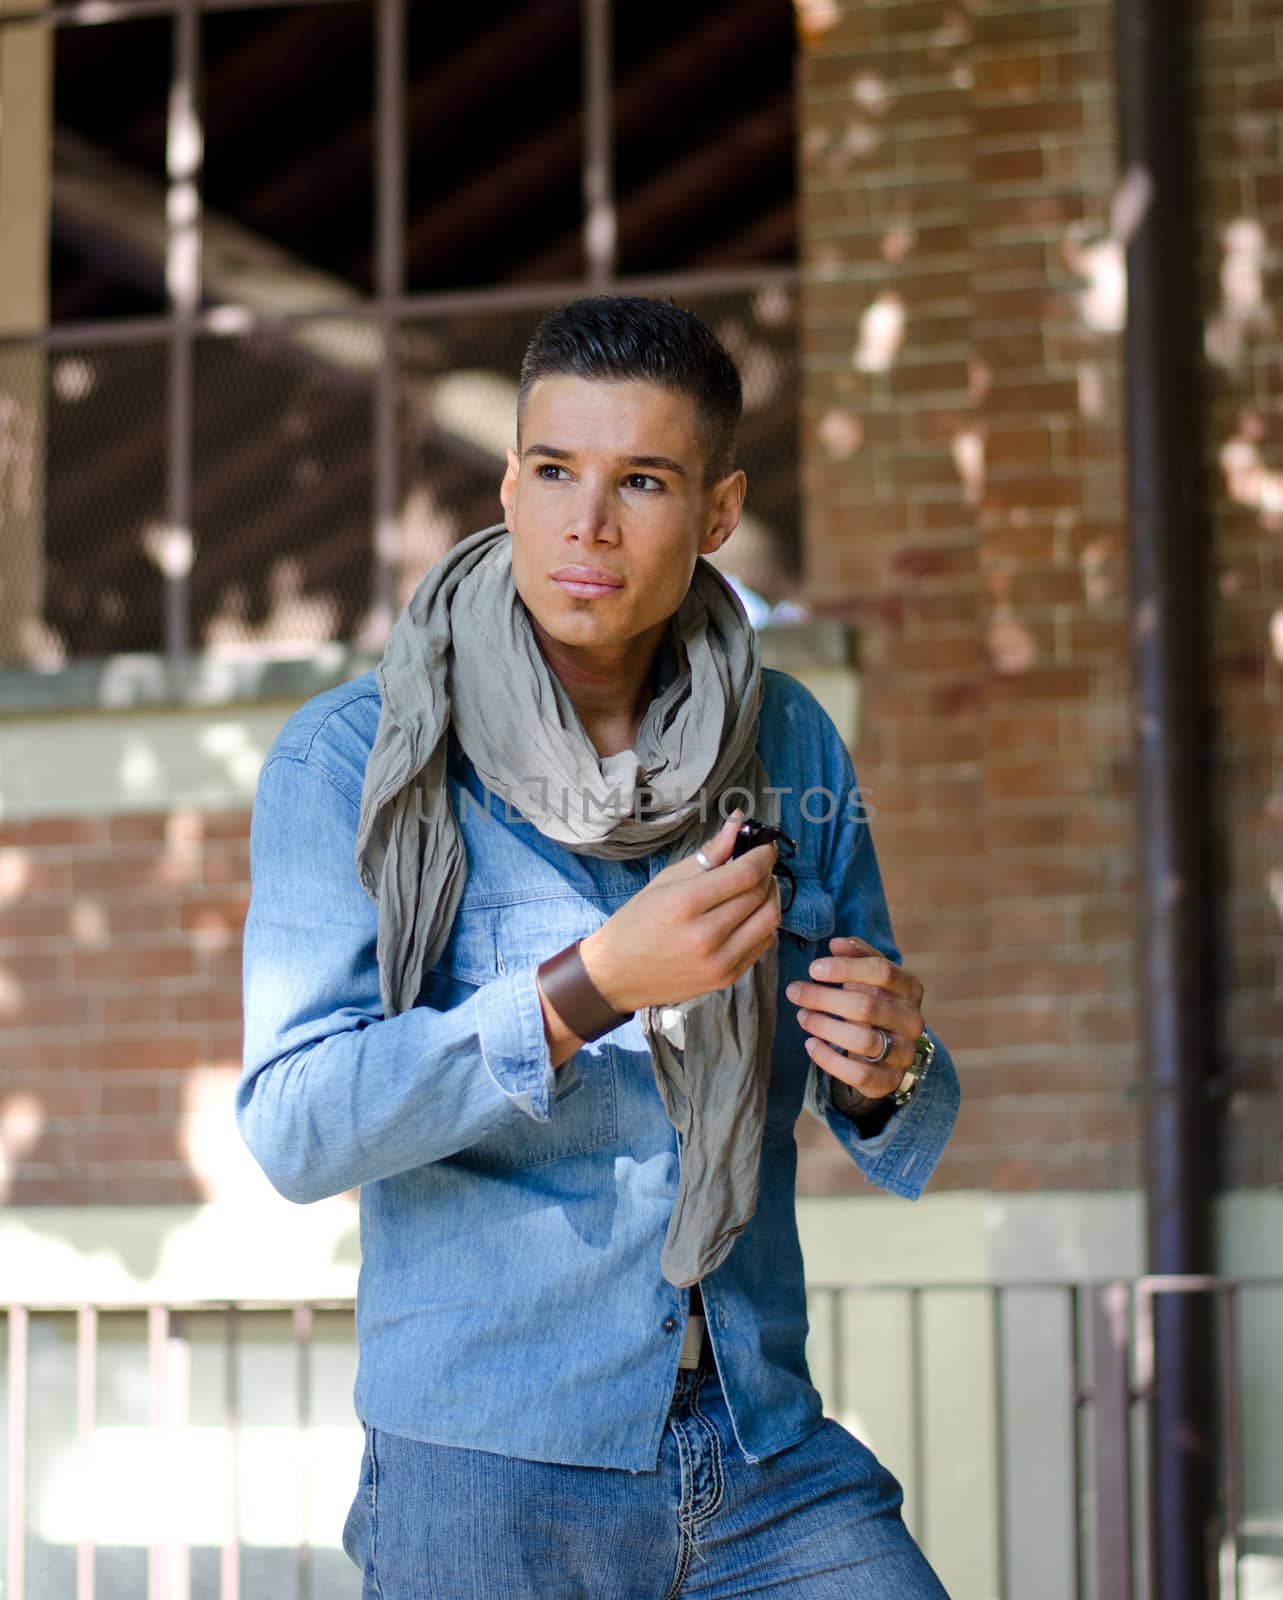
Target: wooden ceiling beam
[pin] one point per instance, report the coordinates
(552, 155)
(493, 58)
(683, 189)
(260, 73)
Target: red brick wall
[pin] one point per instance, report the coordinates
(119, 1001)
(965, 507)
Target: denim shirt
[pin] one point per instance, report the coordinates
(512, 1215)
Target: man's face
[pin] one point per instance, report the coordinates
(609, 486)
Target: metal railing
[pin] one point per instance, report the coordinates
(1056, 1373)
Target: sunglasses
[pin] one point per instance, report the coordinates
(751, 834)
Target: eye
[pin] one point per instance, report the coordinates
(644, 482)
(549, 471)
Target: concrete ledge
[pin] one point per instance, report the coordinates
(156, 682)
(142, 733)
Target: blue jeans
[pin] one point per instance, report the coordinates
(820, 1521)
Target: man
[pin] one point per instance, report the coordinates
(506, 971)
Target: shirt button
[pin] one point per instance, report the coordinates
(670, 1324)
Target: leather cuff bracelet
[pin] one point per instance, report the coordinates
(575, 998)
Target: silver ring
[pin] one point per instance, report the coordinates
(886, 1046)
(703, 861)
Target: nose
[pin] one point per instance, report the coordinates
(592, 518)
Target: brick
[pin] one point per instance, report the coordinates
(1039, 683)
(1025, 26)
(1020, 876)
(227, 825)
(133, 962)
(1005, 164)
(125, 916)
(1022, 446)
(1010, 119)
(142, 828)
(1100, 1021)
(220, 1004)
(126, 1140)
(932, 653)
(226, 913)
(1004, 75)
(940, 561)
(1031, 397)
(41, 832)
(136, 1008)
(145, 1053)
(126, 873)
(22, 923)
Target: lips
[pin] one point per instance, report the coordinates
(588, 582)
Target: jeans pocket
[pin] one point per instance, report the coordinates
(358, 1529)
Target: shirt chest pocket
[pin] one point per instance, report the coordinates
(489, 942)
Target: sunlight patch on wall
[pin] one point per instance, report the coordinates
(881, 334)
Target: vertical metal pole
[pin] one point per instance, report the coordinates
(600, 221)
(999, 1435)
(229, 1574)
(303, 1345)
(1075, 1446)
(1169, 661)
(917, 1389)
(389, 91)
(183, 157)
(178, 1383)
(16, 1558)
(86, 1423)
(1143, 1468)
(837, 1351)
(1112, 1442)
(158, 1383)
(1231, 1495)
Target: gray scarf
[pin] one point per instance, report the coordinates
(464, 652)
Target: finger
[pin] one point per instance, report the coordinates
(907, 982)
(744, 874)
(753, 937)
(874, 971)
(724, 921)
(871, 1008)
(718, 849)
(861, 1043)
(875, 1081)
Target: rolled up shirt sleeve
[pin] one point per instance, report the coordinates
(333, 1094)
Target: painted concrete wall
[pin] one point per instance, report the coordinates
(954, 1473)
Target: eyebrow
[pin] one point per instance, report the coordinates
(664, 463)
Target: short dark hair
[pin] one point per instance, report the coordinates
(621, 338)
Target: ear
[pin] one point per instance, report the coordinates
(508, 488)
(725, 504)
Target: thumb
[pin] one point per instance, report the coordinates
(851, 944)
(718, 848)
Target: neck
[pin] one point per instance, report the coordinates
(610, 691)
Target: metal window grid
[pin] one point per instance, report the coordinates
(389, 308)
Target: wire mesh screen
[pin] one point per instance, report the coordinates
(280, 554)
(91, 541)
(282, 487)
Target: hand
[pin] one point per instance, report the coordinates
(860, 990)
(690, 930)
